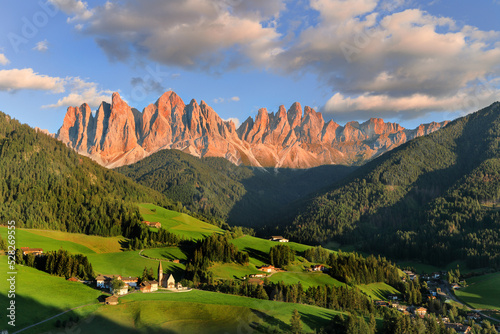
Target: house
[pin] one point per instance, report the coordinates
(459, 328)
(318, 267)
(278, 238)
(436, 275)
(150, 224)
(176, 261)
(257, 275)
(121, 291)
(34, 251)
(130, 281)
(381, 303)
(410, 274)
(421, 311)
(473, 316)
(104, 282)
(72, 279)
(393, 297)
(111, 300)
(267, 269)
(255, 281)
(149, 286)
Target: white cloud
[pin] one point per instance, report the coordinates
(42, 46)
(224, 100)
(188, 33)
(81, 92)
(74, 7)
(26, 78)
(3, 59)
(234, 120)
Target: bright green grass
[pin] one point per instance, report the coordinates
(161, 316)
(29, 238)
(233, 270)
(312, 316)
(40, 296)
(258, 248)
(96, 243)
(178, 223)
(482, 292)
(307, 279)
(128, 264)
(168, 253)
(378, 291)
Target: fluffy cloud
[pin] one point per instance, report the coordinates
(234, 120)
(42, 46)
(374, 55)
(81, 91)
(402, 63)
(79, 9)
(17, 79)
(3, 59)
(223, 100)
(190, 34)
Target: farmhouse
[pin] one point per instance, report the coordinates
(421, 311)
(267, 269)
(149, 286)
(459, 328)
(104, 282)
(111, 300)
(278, 238)
(72, 279)
(34, 251)
(318, 267)
(151, 224)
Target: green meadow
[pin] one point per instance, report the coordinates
(377, 291)
(482, 292)
(129, 263)
(40, 296)
(167, 253)
(36, 239)
(178, 223)
(307, 279)
(233, 270)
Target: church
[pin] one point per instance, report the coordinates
(167, 281)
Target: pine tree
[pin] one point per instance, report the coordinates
(295, 323)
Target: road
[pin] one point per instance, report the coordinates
(446, 289)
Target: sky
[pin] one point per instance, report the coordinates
(406, 61)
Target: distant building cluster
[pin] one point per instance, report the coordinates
(151, 224)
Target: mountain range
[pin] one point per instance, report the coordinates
(118, 135)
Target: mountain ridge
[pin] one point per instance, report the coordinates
(295, 138)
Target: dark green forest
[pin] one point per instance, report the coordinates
(215, 187)
(44, 184)
(435, 198)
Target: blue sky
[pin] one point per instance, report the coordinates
(405, 61)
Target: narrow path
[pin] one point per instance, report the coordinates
(55, 316)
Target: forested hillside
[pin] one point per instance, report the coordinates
(435, 198)
(44, 184)
(241, 195)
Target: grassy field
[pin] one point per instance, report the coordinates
(277, 312)
(307, 279)
(178, 223)
(36, 239)
(96, 243)
(40, 295)
(258, 248)
(129, 264)
(233, 270)
(377, 291)
(482, 292)
(167, 253)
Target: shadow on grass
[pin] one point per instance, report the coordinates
(268, 320)
(257, 254)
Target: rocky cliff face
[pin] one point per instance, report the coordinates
(118, 134)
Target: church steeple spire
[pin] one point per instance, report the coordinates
(160, 274)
